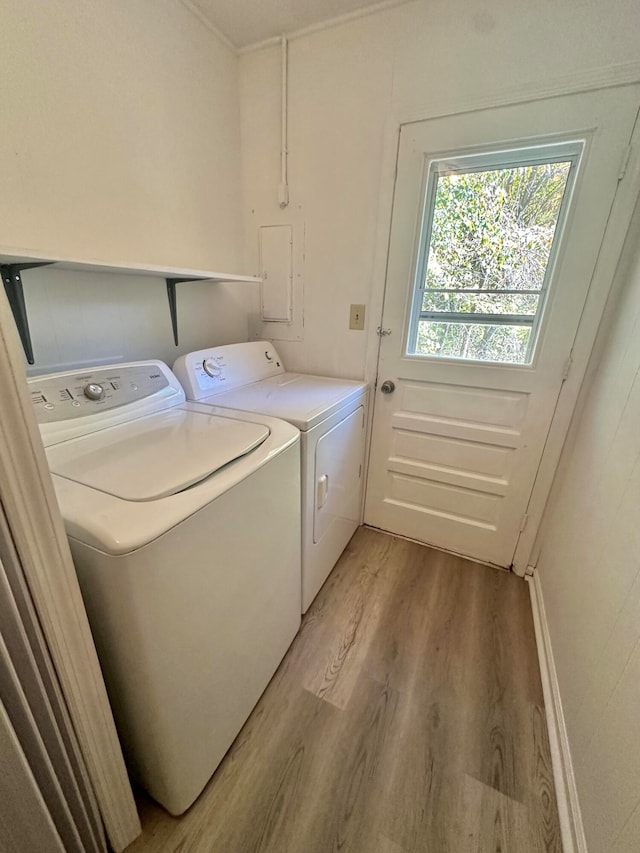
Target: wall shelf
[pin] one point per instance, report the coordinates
(13, 262)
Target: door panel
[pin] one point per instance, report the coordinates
(452, 454)
(456, 446)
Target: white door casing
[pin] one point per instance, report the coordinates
(455, 449)
(40, 541)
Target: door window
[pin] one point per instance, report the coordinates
(489, 237)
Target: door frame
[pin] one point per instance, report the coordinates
(37, 528)
(626, 196)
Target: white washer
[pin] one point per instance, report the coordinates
(331, 415)
(190, 615)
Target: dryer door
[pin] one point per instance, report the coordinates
(338, 473)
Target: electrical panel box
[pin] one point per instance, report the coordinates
(276, 269)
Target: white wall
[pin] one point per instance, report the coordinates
(590, 574)
(120, 142)
(80, 319)
(349, 87)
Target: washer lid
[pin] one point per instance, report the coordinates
(156, 456)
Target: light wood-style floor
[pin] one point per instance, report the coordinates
(407, 716)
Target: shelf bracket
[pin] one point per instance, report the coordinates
(12, 280)
(173, 307)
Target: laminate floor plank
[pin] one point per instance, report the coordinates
(439, 720)
(502, 708)
(349, 612)
(544, 828)
(491, 821)
(343, 820)
(407, 717)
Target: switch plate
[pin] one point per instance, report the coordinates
(356, 317)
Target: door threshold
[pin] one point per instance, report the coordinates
(508, 570)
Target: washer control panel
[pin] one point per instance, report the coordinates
(69, 396)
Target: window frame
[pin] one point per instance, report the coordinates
(463, 162)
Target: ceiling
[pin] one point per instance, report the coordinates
(247, 22)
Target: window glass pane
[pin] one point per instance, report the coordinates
(491, 235)
(480, 342)
(495, 229)
(481, 303)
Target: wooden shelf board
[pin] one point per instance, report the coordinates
(18, 256)
(172, 276)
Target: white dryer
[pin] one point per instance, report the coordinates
(190, 615)
(331, 415)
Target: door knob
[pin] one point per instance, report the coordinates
(388, 387)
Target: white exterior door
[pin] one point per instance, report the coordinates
(497, 222)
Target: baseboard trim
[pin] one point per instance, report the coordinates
(573, 838)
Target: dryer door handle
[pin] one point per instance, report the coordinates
(322, 490)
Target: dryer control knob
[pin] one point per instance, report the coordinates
(212, 368)
(93, 391)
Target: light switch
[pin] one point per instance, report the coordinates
(356, 317)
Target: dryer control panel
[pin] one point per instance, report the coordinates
(206, 372)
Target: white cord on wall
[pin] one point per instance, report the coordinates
(283, 189)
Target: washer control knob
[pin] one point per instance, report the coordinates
(212, 368)
(93, 391)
